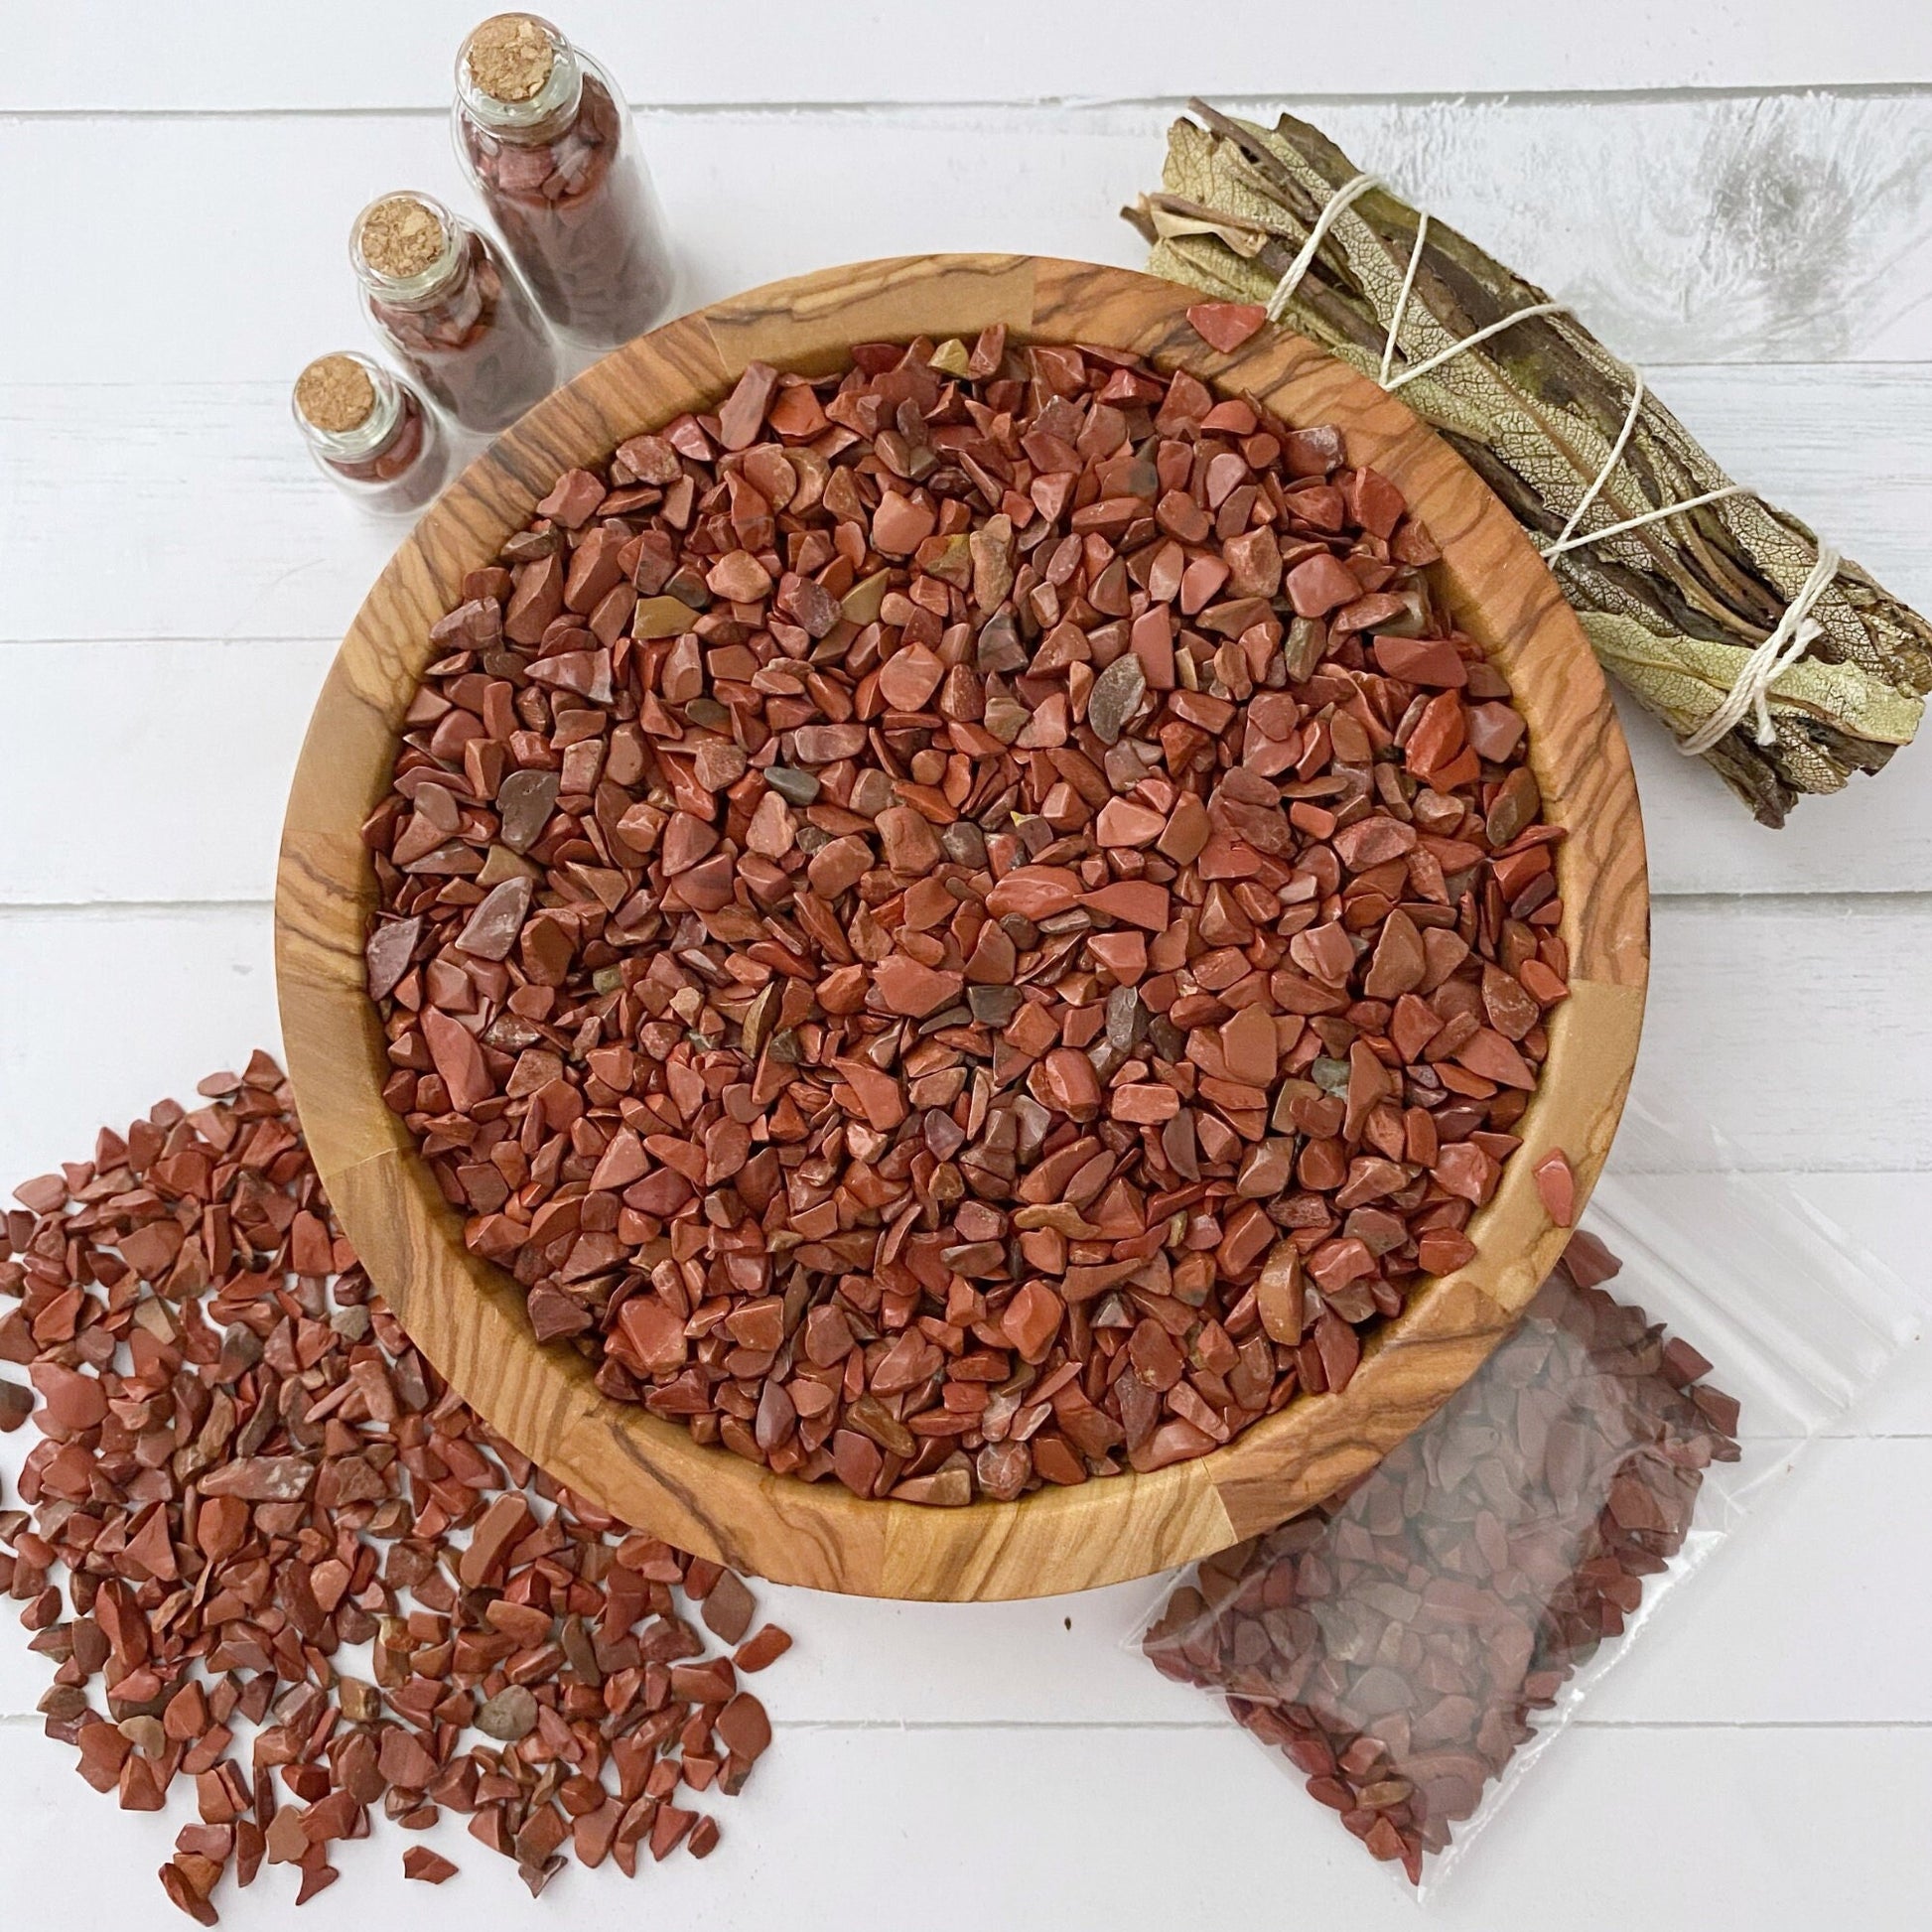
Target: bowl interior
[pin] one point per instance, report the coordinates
(469, 1318)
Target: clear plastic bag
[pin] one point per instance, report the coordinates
(1410, 1648)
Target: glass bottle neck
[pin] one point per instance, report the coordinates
(438, 278)
(375, 433)
(544, 115)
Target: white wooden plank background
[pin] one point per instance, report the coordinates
(1733, 195)
(1686, 229)
(1096, 1825)
(365, 54)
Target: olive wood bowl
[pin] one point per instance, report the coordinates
(468, 1316)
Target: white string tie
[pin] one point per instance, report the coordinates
(1344, 196)
(1796, 629)
(1568, 540)
(1649, 516)
(1402, 300)
(1768, 663)
(1496, 328)
(1564, 539)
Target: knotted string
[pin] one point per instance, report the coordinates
(1762, 669)
(1796, 629)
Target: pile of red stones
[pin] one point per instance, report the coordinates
(246, 1470)
(967, 923)
(1399, 1644)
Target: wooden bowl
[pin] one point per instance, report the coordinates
(469, 1318)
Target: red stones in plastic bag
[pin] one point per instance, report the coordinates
(1397, 1643)
(246, 1467)
(968, 923)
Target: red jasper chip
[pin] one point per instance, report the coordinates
(728, 1609)
(420, 1862)
(246, 1467)
(1226, 325)
(16, 1405)
(742, 1727)
(1555, 1186)
(71, 1402)
(187, 1882)
(1397, 1645)
(1029, 849)
(764, 1647)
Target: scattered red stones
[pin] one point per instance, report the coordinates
(246, 1467)
(1395, 1643)
(966, 924)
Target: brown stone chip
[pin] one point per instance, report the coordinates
(1026, 844)
(16, 1405)
(512, 1715)
(1397, 1645)
(419, 1862)
(728, 1609)
(765, 1646)
(245, 1468)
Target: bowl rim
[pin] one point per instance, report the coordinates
(466, 1315)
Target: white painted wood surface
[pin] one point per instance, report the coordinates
(364, 53)
(1733, 195)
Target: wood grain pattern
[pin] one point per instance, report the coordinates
(469, 1318)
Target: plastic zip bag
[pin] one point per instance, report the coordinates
(1412, 1647)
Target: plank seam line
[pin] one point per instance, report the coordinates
(142, 907)
(1635, 96)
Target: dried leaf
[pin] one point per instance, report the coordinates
(1672, 609)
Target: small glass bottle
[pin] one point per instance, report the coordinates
(452, 311)
(371, 433)
(546, 139)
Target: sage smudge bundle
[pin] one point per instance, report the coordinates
(1784, 667)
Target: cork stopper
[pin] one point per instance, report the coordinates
(334, 394)
(401, 237)
(510, 56)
